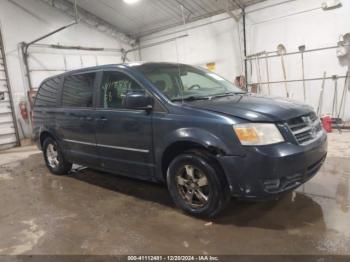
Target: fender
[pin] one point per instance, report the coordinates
(37, 135)
(196, 135)
(193, 135)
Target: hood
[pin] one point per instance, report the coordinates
(254, 107)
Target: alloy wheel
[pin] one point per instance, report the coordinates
(192, 184)
(52, 155)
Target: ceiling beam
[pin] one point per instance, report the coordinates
(230, 12)
(91, 20)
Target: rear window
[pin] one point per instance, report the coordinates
(78, 90)
(47, 93)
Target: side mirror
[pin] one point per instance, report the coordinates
(138, 100)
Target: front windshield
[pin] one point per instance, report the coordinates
(187, 82)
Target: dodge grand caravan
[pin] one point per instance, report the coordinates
(181, 125)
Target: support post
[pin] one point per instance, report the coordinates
(24, 50)
(245, 47)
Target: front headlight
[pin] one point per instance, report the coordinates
(257, 134)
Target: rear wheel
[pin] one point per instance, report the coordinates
(54, 159)
(197, 185)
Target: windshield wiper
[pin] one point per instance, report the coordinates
(223, 95)
(191, 98)
(227, 94)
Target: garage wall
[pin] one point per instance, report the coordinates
(209, 40)
(298, 23)
(291, 23)
(25, 20)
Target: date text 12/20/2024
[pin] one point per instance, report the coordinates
(173, 258)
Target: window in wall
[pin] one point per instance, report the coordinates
(114, 87)
(78, 90)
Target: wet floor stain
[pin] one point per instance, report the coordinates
(5, 176)
(89, 212)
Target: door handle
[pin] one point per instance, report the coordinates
(86, 118)
(102, 119)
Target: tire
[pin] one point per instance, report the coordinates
(59, 167)
(182, 187)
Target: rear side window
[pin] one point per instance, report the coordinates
(47, 93)
(78, 90)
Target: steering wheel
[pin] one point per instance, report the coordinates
(193, 86)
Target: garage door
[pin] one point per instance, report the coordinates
(50, 60)
(8, 135)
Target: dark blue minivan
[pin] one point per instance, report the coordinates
(205, 138)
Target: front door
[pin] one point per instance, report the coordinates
(123, 136)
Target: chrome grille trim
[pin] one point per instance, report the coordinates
(306, 129)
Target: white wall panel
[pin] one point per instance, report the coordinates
(293, 24)
(74, 62)
(215, 42)
(89, 60)
(105, 60)
(45, 61)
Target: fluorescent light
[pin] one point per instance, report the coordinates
(130, 2)
(331, 4)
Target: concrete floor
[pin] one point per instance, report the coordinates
(94, 213)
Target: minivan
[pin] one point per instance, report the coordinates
(181, 125)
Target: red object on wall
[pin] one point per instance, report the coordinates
(23, 109)
(327, 123)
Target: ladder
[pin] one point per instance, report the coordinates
(9, 136)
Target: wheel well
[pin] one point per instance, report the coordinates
(180, 147)
(43, 136)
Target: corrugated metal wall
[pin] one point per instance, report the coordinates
(8, 136)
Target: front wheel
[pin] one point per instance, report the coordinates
(197, 184)
(54, 159)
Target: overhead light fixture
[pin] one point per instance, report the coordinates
(131, 2)
(331, 4)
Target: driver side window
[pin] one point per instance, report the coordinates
(114, 87)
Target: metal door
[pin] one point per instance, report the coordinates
(8, 125)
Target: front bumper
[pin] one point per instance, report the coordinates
(268, 171)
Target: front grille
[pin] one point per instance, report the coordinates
(305, 128)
